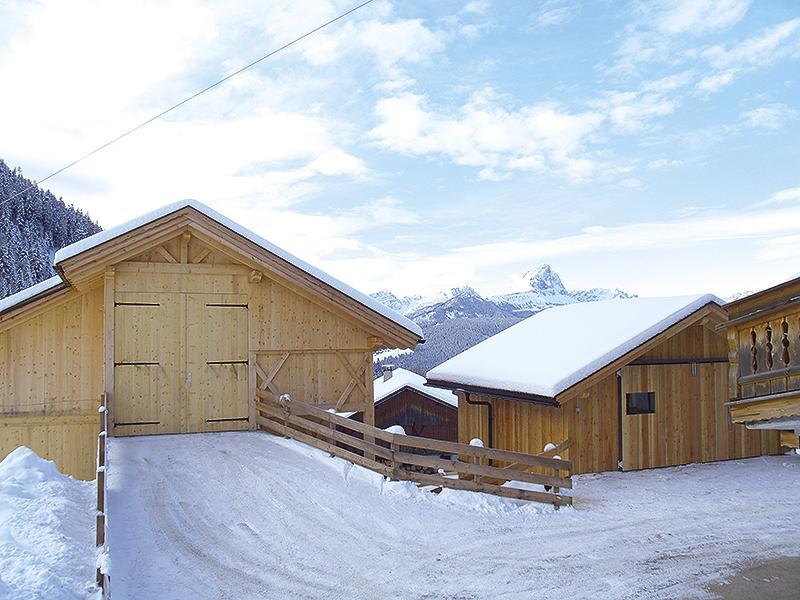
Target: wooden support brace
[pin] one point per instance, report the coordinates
(202, 256)
(165, 253)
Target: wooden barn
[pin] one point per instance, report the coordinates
(631, 384)
(174, 319)
(763, 332)
(402, 398)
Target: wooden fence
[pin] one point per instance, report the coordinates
(428, 462)
(102, 461)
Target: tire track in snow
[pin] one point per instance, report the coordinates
(248, 515)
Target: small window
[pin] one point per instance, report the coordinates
(640, 403)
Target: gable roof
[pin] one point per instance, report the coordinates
(551, 351)
(764, 303)
(402, 378)
(93, 241)
(31, 294)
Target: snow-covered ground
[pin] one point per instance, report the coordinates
(47, 547)
(249, 515)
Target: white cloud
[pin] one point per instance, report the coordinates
(631, 112)
(698, 16)
(714, 83)
(477, 7)
(391, 44)
(664, 163)
(658, 32)
(483, 133)
(755, 52)
(654, 258)
(787, 196)
(256, 148)
(554, 12)
(780, 248)
(758, 50)
(769, 116)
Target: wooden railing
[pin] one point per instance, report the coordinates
(102, 461)
(436, 463)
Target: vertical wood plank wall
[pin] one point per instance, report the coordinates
(417, 414)
(589, 421)
(691, 422)
(51, 379)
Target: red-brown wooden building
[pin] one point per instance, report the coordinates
(402, 398)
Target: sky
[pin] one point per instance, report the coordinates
(418, 146)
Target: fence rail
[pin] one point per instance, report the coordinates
(429, 462)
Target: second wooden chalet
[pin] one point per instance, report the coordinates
(764, 342)
(632, 384)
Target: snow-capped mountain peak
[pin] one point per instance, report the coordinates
(544, 280)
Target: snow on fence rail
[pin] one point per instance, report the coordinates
(429, 462)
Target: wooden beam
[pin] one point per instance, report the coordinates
(356, 375)
(108, 344)
(202, 256)
(185, 246)
(266, 378)
(165, 253)
(345, 394)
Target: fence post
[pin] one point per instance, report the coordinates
(394, 448)
(285, 399)
(100, 519)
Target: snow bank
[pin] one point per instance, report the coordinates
(46, 531)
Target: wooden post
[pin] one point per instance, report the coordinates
(185, 247)
(251, 391)
(556, 490)
(108, 348)
(394, 448)
(369, 408)
(100, 517)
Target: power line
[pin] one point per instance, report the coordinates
(184, 101)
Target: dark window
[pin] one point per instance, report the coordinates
(640, 403)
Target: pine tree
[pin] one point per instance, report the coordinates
(32, 227)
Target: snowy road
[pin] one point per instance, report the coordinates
(248, 515)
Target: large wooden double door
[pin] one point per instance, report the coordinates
(180, 362)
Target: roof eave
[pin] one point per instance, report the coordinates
(494, 392)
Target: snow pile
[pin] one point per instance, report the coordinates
(521, 358)
(46, 531)
(395, 429)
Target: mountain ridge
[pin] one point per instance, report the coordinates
(455, 321)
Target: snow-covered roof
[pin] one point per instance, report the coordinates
(23, 296)
(402, 378)
(109, 234)
(554, 349)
